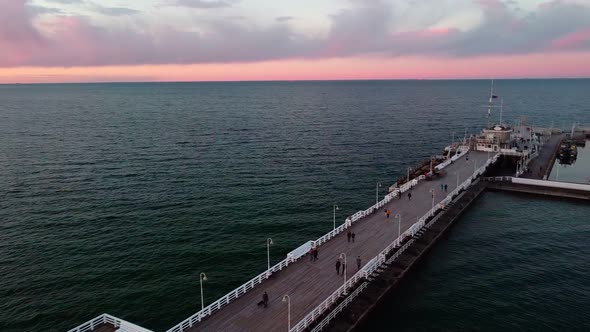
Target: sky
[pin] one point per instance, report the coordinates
(44, 41)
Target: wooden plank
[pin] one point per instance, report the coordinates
(309, 283)
(105, 328)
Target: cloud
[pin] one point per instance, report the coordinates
(366, 28)
(284, 18)
(66, 2)
(202, 4)
(114, 11)
(40, 10)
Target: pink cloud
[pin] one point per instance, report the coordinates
(406, 67)
(572, 40)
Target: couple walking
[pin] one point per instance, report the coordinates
(313, 254)
(341, 267)
(350, 236)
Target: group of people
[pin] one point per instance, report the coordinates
(341, 266)
(444, 187)
(350, 236)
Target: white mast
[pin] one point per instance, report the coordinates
(490, 101)
(501, 109)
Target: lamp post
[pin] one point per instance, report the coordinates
(377, 193)
(399, 224)
(432, 192)
(335, 208)
(268, 244)
(343, 256)
(202, 277)
(287, 298)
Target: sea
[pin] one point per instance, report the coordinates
(114, 197)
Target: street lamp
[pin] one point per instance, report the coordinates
(399, 224)
(377, 192)
(268, 244)
(335, 208)
(432, 192)
(202, 277)
(287, 298)
(343, 256)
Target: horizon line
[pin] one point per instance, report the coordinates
(304, 80)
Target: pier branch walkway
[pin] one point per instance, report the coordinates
(309, 283)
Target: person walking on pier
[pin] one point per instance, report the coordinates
(442, 187)
(310, 252)
(353, 235)
(446, 187)
(387, 213)
(348, 235)
(358, 263)
(409, 196)
(264, 301)
(338, 266)
(315, 254)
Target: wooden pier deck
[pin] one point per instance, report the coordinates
(105, 328)
(309, 283)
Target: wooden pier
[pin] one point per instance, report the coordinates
(308, 283)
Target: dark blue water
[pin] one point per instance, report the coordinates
(115, 196)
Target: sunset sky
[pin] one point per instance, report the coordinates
(212, 40)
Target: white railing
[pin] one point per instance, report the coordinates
(339, 308)
(464, 149)
(552, 184)
(300, 251)
(378, 260)
(121, 325)
(540, 183)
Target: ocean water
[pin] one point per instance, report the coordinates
(114, 197)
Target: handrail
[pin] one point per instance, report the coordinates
(120, 324)
(339, 308)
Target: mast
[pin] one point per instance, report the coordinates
(490, 101)
(501, 109)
